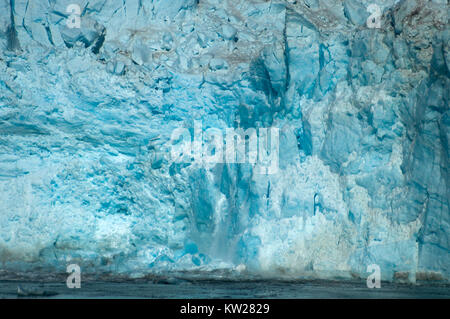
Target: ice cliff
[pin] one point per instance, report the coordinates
(86, 117)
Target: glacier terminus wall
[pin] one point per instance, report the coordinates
(358, 90)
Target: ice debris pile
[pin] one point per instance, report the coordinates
(86, 116)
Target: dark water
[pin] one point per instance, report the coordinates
(223, 289)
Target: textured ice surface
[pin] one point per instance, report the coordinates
(86, 117)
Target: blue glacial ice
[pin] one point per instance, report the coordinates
(86, 117)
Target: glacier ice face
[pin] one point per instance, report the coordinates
(86, 117)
